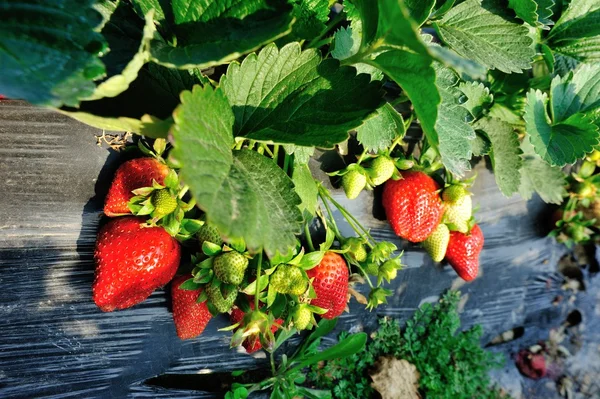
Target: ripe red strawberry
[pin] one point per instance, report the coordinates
(412, 205)
(190, 317)
(131, 262)
(252, 343)
(463, 252)
(330, 284)
(133, 174)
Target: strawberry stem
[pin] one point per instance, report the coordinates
(275, 152)
(308, 237)
(286, 163)
(347, 215)
(260, 253)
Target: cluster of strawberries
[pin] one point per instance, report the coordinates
(138, 251)
(444, 225)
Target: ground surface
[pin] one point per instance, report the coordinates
(55, 343)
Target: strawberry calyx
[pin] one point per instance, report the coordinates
(256, 327)
(378, 296)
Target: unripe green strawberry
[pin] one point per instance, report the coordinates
(356, 249)
(458, 208)
(437, 243)
(302, 317)
(594, 156)
(389, 270)
(587, 169)
(454, 193)
(230, 267)
(372, 269)
(353, 183)
(164, 203)
(222, 301)
(209, 233)
(288, 279)
(584, 190)
(381, 170)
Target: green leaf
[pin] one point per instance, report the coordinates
(539, 177)
(311, 18)
(484, 33)
(419, 10)
(478, 96)
(576, 34)
(129, 45)
(212, 33)
(302, 100)
(163, 12)
(560, 143)
(455, 134)
(505, 153)
(346, 347)
(306, 188)
(526, 10)
(301, 154)
(378, 132)
(243, 194)
(481, 145)
(578, 91)
(346, 43)
(145, 107)
(461, 65)
(415, 74)
(388, 23)
(580, 19)
(49, 51)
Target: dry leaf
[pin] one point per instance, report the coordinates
(395, 378)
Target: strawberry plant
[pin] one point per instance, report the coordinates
(229, 102)
(450, 363)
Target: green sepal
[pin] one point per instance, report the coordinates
(312, 294)
(238, 244)
(211, 308)
(296, 260)
(172, 180)
(329, 238)
(211, 249)
(271, 296)
(243, 303)
(145, 150)
(279, 258)
(190, 226)
(159, 146)
(171, 224)
(311, 259)
(317, 310)
(206, 263)
(229, 328)
(279, 305)
(404, 164)
(189, 285)
(203, 297)
(250, 289)
(156, 185)
(146, 208)
(204, 276)
(142, 192)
